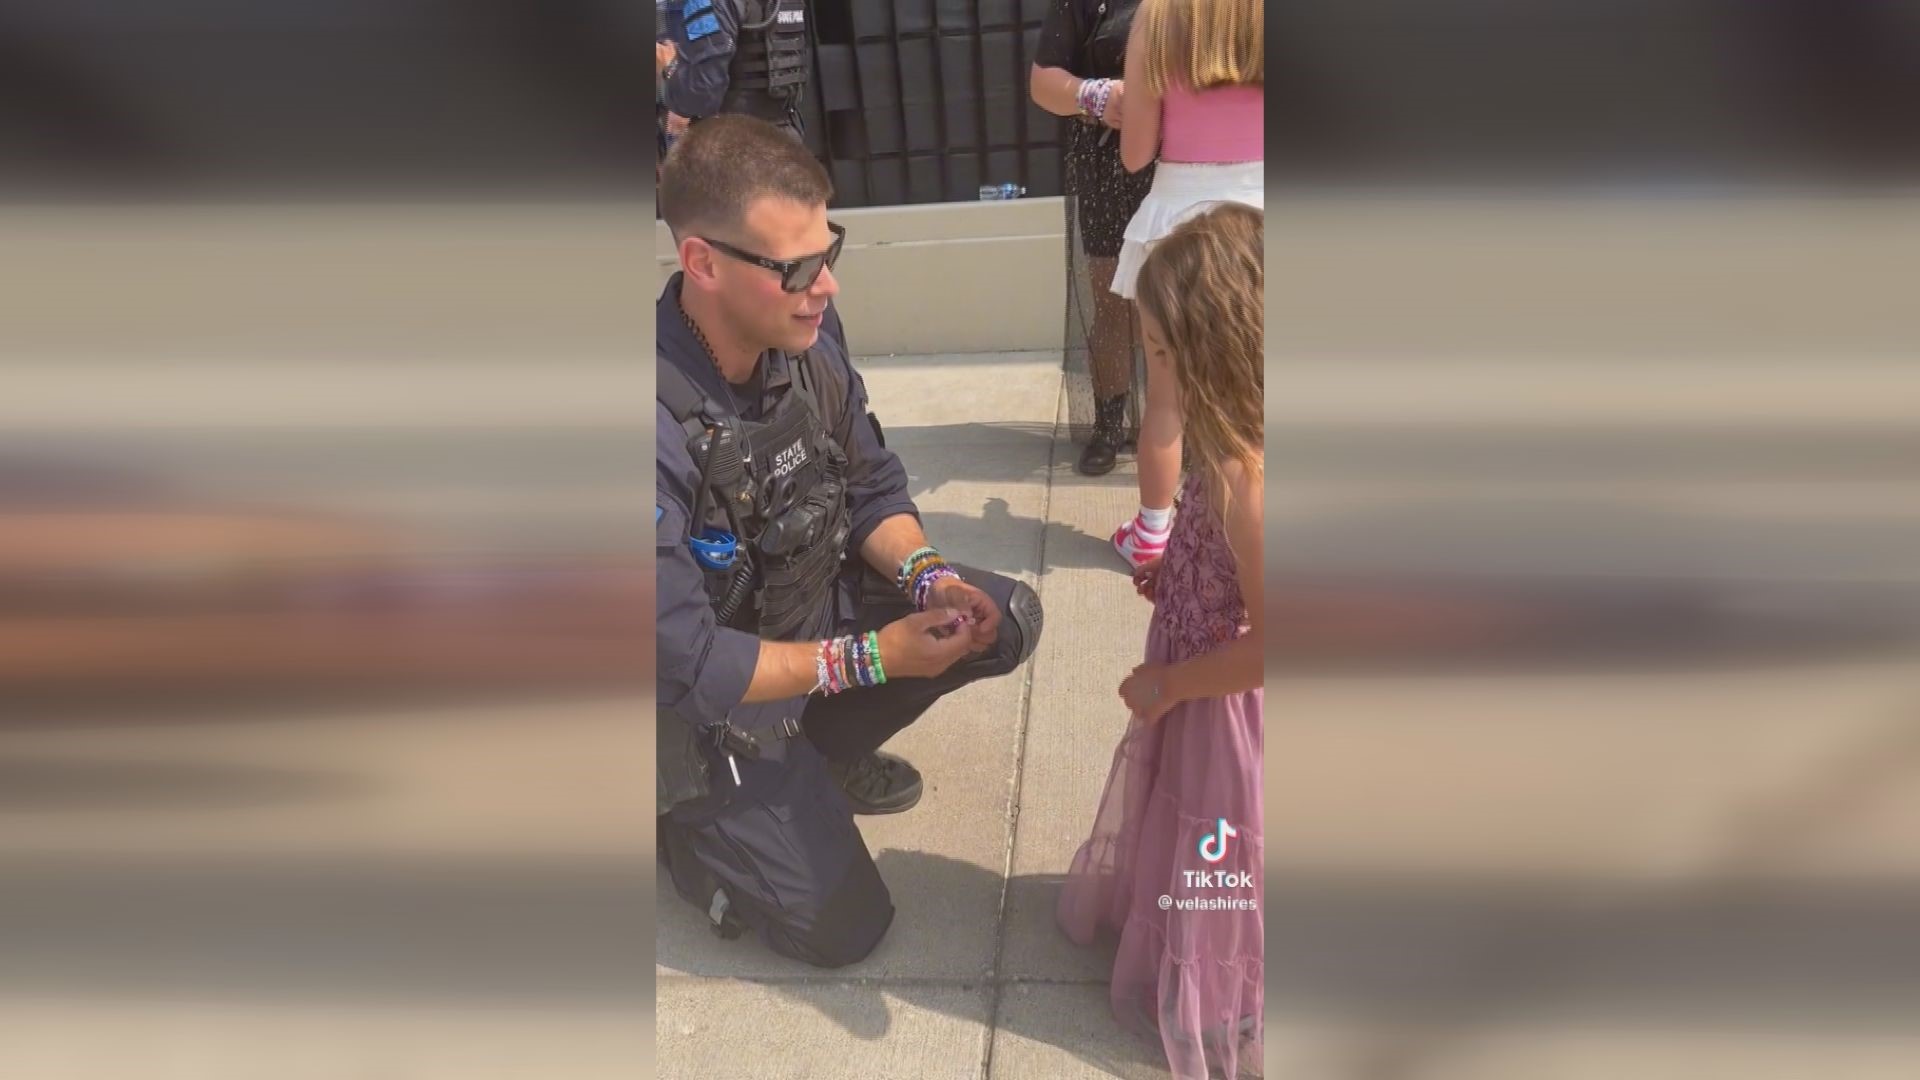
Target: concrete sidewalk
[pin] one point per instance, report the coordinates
(973, 981)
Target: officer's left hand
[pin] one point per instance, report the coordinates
(960, 596)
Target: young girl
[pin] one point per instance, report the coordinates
(1195, 97)
(1174, 861)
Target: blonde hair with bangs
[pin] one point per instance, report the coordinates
(1203, 44)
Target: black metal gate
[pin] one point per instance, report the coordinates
(919, 101)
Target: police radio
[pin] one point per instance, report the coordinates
(716, 550)
(720, 463)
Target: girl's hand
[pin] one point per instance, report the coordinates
(1145, 692)
(1145, 576)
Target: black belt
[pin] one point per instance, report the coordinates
(745, 742)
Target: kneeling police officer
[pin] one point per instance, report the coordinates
(803, 617)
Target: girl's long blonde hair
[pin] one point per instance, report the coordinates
(1202, 44)
(1204, 284)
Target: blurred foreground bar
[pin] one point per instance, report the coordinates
(1597, 609)
(325, 686)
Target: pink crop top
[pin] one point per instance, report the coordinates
(1224, 124)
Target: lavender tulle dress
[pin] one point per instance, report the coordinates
(1189, 979)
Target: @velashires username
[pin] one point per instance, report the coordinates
(1209, 903)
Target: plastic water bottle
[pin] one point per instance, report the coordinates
(996, 192)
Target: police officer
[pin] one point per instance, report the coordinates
(803, 617)
(740, 56)
(667, 30)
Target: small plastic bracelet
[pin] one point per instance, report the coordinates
(1089, 91)
(920, 574)
(820, 682)
(837, 666)
(908, 565)
(862, 668)
(1094, 94)
(923, 585)
(873, 646)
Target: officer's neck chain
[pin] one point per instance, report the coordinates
(700, 336)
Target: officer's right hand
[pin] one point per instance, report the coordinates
(908, 648)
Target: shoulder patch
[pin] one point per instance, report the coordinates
(705, 26)
(695, 7)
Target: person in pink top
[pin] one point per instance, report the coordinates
(1196, 101)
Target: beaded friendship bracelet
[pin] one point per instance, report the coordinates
(847, 662)
(923, 584)
(1093, 96)
(913, 564)
(919, 572)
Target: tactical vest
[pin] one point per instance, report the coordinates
(769, 68)
(787, 507)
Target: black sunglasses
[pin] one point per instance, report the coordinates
(796, 275)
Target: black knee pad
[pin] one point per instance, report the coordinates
(1024, 612)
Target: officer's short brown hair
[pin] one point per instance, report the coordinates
(720, 166)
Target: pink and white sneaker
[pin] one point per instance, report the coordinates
(1138, 546)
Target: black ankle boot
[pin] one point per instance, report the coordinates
(1109, 435)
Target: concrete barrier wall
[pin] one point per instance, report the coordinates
(912, 277)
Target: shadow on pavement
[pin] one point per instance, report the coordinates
(859, 1004)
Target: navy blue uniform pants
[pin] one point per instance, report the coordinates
(783, 846)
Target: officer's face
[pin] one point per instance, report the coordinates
(779, 229)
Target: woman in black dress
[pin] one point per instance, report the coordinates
(1076, 74)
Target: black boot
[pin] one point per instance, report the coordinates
(1109, 435)
(878, 783)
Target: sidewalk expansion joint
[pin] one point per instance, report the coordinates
(997, 981)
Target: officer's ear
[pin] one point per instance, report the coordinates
(697, 259)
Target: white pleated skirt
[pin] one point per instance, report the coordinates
(1180, 191)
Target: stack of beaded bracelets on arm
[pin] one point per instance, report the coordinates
(919, 572)
(847, 662)
(1092, 97)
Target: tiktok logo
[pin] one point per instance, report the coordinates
(1213, 851)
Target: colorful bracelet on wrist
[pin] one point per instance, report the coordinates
(1093, 96)
(919, 572)
(923, 584)
(847, 662)
(913, 564)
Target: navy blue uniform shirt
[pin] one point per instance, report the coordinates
(704, 668)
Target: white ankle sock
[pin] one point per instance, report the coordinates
(1156, 521)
